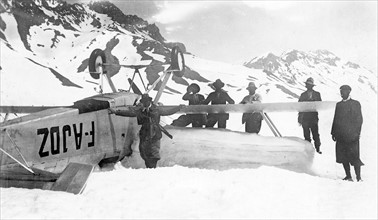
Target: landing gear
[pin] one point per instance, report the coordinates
(177, 62)
(96, 60)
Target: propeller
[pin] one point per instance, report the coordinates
(97, 63)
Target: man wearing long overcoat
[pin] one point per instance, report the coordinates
(346, 130)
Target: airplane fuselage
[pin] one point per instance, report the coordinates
(86, 133)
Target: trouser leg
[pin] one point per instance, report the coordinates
(151, 162)
(357, 170)
(198, 120)
(222, 123)
(306, 132)
(211, 121)
(196, 124)
(315, 136)
(347, 170)
(182, 121)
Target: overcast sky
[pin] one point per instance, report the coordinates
(237, 31)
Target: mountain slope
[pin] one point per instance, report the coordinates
(45, 46)
(328, 70)
(56, 37)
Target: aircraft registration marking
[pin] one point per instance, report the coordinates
(55, 133)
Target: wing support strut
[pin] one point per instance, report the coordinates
(165, 80)
(26, 166)
(271, 125)
(136, 70)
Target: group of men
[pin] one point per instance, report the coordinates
(345, 131)
(219, 96)
(251, 120)
(346, 126)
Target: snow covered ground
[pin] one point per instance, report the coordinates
(179, 192)
(214, 183)
(210, 176)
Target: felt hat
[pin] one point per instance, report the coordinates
(251, 85)
(145, 98)
(218, 84)
(310, 81)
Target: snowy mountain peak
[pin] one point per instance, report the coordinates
(272, 62)
(328, 70)
(53, 40)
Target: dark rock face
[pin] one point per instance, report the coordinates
(270, 63)
(54, 14)
(30, 13)
(352, 65)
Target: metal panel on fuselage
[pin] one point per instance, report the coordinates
(52, 141)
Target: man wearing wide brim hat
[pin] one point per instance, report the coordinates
(218, 97)
(309, 82)
(148, 115)
(252, 120)
(309, 120)
(251, 86)
(146, 99)
(218, 84)
(197, 120)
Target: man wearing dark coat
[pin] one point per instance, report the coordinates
(219, 96)
(148, 115)
(197, 120)
(346, 130)
(309, 120)
(252, 120)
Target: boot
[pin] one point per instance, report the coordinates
(348, 178)
(318, 149)
(347, 172)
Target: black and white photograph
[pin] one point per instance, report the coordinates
(175, 109)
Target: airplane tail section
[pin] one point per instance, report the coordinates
(72, 180)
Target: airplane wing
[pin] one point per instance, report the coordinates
(25, 109)
(263, 107)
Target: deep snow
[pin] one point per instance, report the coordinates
(211, 182)
(222, 189)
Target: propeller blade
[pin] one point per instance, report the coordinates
(135, 88)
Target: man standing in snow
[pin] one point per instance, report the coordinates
(148, 115)
(309, 120)
(252, 120)
(346, 130)
(197, 120)
(218, 97)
